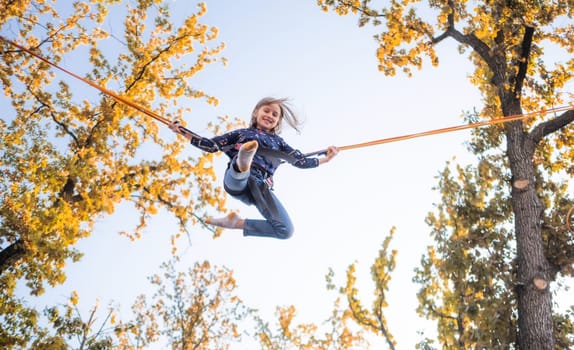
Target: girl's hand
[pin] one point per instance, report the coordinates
(332, 151)
(176, 127)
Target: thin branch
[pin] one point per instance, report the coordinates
(52, 115)
(382, 325)
(469, 39)
(443, 315)
(362, 9)
(152, 59)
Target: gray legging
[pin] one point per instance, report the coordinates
(252, 189)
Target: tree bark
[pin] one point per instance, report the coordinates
(534, 272)
(11, 254)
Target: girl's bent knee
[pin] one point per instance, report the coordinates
(284, 231)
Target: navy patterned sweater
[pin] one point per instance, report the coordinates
(270, 154)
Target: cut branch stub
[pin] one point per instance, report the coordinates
(540, 282)
(521, 184)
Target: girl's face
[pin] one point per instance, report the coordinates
(267, 117)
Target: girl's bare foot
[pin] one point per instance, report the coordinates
(232, 221)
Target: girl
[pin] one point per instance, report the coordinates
(255, 153)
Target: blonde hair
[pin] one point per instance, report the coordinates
(287, 114)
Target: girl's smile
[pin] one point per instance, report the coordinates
(267, 117)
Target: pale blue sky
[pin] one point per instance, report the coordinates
(343, 210)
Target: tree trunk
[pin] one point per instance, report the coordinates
(534, 272)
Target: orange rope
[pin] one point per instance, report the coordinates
(92, 84)
(448, 129)
(347, 147)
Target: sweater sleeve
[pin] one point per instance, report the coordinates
(217, 143)
(304, 162)
(296, 158)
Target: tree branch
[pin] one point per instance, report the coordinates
(52, 114)
(551, 126)
(450, 20)
(363, 9)
(470, 39)
(146, 65)
(441, 314)
(11, 254)
(523, 63)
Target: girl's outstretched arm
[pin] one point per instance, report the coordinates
(203, 143)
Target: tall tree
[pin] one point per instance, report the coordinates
(69, 155)
(515, 48)
(194, 309)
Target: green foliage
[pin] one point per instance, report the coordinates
(18, 322)
(467, 278)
